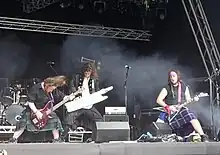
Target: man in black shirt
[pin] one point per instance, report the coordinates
(170, 97)
(38, 96)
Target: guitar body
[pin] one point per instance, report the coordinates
(40, 124)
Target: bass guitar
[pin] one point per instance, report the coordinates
(41, 123)
(180, 106)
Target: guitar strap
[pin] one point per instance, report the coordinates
(179, 93)
(51, 98)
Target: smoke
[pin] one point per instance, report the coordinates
(146, 76)
(205, 112)
(13, 57)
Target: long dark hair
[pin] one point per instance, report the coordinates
(90, 67)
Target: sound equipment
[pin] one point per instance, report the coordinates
(159, 129)
(112, 131)
(116, 118)
(115, 110)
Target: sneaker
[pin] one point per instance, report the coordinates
(204, 138)
(12, 140)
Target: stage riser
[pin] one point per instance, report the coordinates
(114, 149)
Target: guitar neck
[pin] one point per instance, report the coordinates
(62, 102)
(185, 103)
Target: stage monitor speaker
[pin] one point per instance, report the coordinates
(112, 131)
(159, 129)
(116, 118)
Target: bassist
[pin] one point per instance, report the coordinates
(38, 96)
(170, 96)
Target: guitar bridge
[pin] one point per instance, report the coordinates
(35, 121)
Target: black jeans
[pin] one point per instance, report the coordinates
(71, 120)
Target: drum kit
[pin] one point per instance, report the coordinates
(13, 102)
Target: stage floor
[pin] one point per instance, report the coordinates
(116, 148)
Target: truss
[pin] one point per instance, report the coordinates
(34, 5)
(73, 29)
(206, 45)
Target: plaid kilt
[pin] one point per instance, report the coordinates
(25, 123)
(182, 118)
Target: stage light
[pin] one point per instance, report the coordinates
(65, 3)
(99, 6)
(161, 13)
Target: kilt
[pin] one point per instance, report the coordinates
(25, 123)
(182, 118)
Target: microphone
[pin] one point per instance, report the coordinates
(50, 62)
(127, 67)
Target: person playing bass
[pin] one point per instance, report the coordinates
(40, 95)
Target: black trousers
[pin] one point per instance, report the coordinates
(91, 115)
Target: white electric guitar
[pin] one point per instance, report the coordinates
(88, 101)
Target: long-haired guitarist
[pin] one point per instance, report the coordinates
(88, 80)
(38, 96)
(170, 97)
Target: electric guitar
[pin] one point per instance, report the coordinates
(172, 115)
(41, 123)
(87, 102)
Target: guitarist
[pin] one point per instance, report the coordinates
(38, 96)
(170, 96)
(88, 80)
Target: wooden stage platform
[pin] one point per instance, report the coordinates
(116, 148)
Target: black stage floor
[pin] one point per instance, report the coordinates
(116, 148)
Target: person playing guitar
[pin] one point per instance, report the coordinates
(171, 97)
(88, 80)
(41, 95)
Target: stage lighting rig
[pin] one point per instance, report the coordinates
(99, 6)
(29, 6)
(65, 3)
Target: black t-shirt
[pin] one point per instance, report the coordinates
(40, 98)
(172, 94)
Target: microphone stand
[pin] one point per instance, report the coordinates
(125, 89)
(51, 66)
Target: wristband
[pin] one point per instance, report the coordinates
(167, 109)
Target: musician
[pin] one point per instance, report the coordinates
(169, 98)
(38, 96)
(88, 81)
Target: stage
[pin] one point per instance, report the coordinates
(116, 148)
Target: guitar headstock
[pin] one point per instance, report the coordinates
(202, 94)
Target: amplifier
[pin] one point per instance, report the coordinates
(112, 131)
(116, 118)
(115, 110)
(159, 129)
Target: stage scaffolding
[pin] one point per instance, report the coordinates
(73, 29)
(207, 48)
(34, 5)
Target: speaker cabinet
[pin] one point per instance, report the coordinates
(159, 129)
(116, 118)
(112, 131)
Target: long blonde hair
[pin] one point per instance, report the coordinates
(56, 81)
